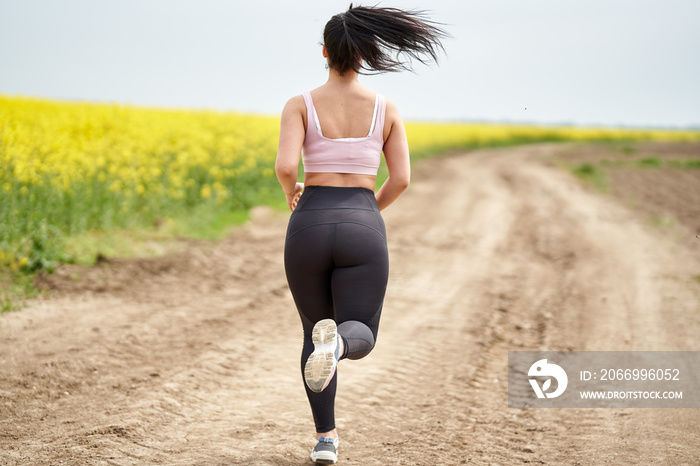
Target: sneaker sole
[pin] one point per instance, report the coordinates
(320, 366)
(327, 460)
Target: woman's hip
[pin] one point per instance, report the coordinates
(326, 205)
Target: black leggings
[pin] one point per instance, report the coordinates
(337, 266)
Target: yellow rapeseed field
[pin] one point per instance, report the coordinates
(68, 167)
(431, 137)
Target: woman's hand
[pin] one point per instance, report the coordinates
(293, 197)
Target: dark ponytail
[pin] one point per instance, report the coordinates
(374, 39)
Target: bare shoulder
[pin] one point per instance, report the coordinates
(392, 111)
(295, 104)
(392, 118)
(294, 111)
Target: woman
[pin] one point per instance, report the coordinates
(335, 253)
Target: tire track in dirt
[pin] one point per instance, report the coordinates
(193, 358)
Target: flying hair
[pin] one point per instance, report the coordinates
(372, 40)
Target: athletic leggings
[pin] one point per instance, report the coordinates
(337, 267)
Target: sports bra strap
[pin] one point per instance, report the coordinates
(343, 155)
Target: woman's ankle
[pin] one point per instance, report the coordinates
(332, 434)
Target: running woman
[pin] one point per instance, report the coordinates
(335, 252)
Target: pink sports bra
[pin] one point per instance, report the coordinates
(347, 155)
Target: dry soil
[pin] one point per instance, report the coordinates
(192, 358)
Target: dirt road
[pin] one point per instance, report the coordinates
(192, 358)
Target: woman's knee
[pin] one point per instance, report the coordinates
(358, 337)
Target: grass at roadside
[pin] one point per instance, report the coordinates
(594, 162)
(592, 174)
(657, 179)
(15, 287)
(596, 173)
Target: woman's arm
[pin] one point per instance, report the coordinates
(397, 159)
(292, 134)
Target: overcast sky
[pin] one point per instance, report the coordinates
(610, 62)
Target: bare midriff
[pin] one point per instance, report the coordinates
(343, 180)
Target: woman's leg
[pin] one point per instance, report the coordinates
(337, 271)
(337, 268)
(308, 260)
(359, 282)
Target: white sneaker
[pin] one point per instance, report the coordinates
(325, 451)
(320, 366)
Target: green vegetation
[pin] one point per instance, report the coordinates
(649, 162)
(591, 174)
(15, 287)
(595, 172)
(692, 163)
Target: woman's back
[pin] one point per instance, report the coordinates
(343, 112)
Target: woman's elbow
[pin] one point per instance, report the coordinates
(402, 181)
(284, 170)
